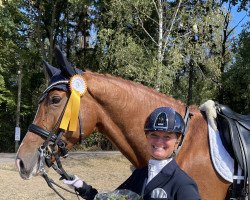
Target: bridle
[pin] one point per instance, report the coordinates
(54, 146)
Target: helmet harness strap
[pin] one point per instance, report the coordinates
(187, 117)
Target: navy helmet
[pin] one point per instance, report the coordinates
(165, 119)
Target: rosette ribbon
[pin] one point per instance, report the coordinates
(78, 87)
(70, 117)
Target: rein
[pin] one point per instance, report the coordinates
(52, 145)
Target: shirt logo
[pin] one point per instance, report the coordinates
(159, 193)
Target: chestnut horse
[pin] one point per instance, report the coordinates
(118, 108)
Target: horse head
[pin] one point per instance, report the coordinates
(45, 134)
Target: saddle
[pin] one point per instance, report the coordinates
(235, 129)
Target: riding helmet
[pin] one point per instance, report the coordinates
(165, 119)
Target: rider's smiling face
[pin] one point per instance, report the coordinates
(162, 144)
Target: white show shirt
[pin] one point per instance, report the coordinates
(155, 166)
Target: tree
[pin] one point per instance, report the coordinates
(171, 46)
(180, 47)
(237, 77)
(10, 21)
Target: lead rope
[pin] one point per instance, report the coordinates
(50, 183)
(59, 169)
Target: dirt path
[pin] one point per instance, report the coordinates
(104, 171)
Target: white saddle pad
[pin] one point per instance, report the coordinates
(222, 161)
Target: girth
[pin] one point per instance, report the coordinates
(235, 129)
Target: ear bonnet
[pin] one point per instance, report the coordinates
(59, 78)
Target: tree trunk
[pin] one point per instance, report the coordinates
(160, 46)
(223, 56)
(190, 83)
(51, 30)
(40, 41)
(163, 36)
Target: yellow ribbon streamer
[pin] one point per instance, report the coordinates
(70, 117)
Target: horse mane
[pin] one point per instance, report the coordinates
(135, 89)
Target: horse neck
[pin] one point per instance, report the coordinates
(122, 108)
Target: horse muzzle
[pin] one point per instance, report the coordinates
(27, 168)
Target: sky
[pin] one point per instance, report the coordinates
(237, 17)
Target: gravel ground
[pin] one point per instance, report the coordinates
(103, 170)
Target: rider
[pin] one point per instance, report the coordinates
(162, 178)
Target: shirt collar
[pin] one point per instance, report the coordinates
(157, 165)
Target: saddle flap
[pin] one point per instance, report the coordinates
(232, 125)
(236, 127)
(224, 129)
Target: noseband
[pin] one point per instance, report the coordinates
(54, 144)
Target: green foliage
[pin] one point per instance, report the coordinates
(237, 78)
(99, 141)
(198, 46)
(9, 39)
(118, 194)
(128, 44)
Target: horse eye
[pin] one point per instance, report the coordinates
(55, 100)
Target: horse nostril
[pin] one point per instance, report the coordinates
(21, 168)
(19, 164)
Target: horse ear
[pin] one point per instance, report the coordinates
(64, 64)
(50, 69)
